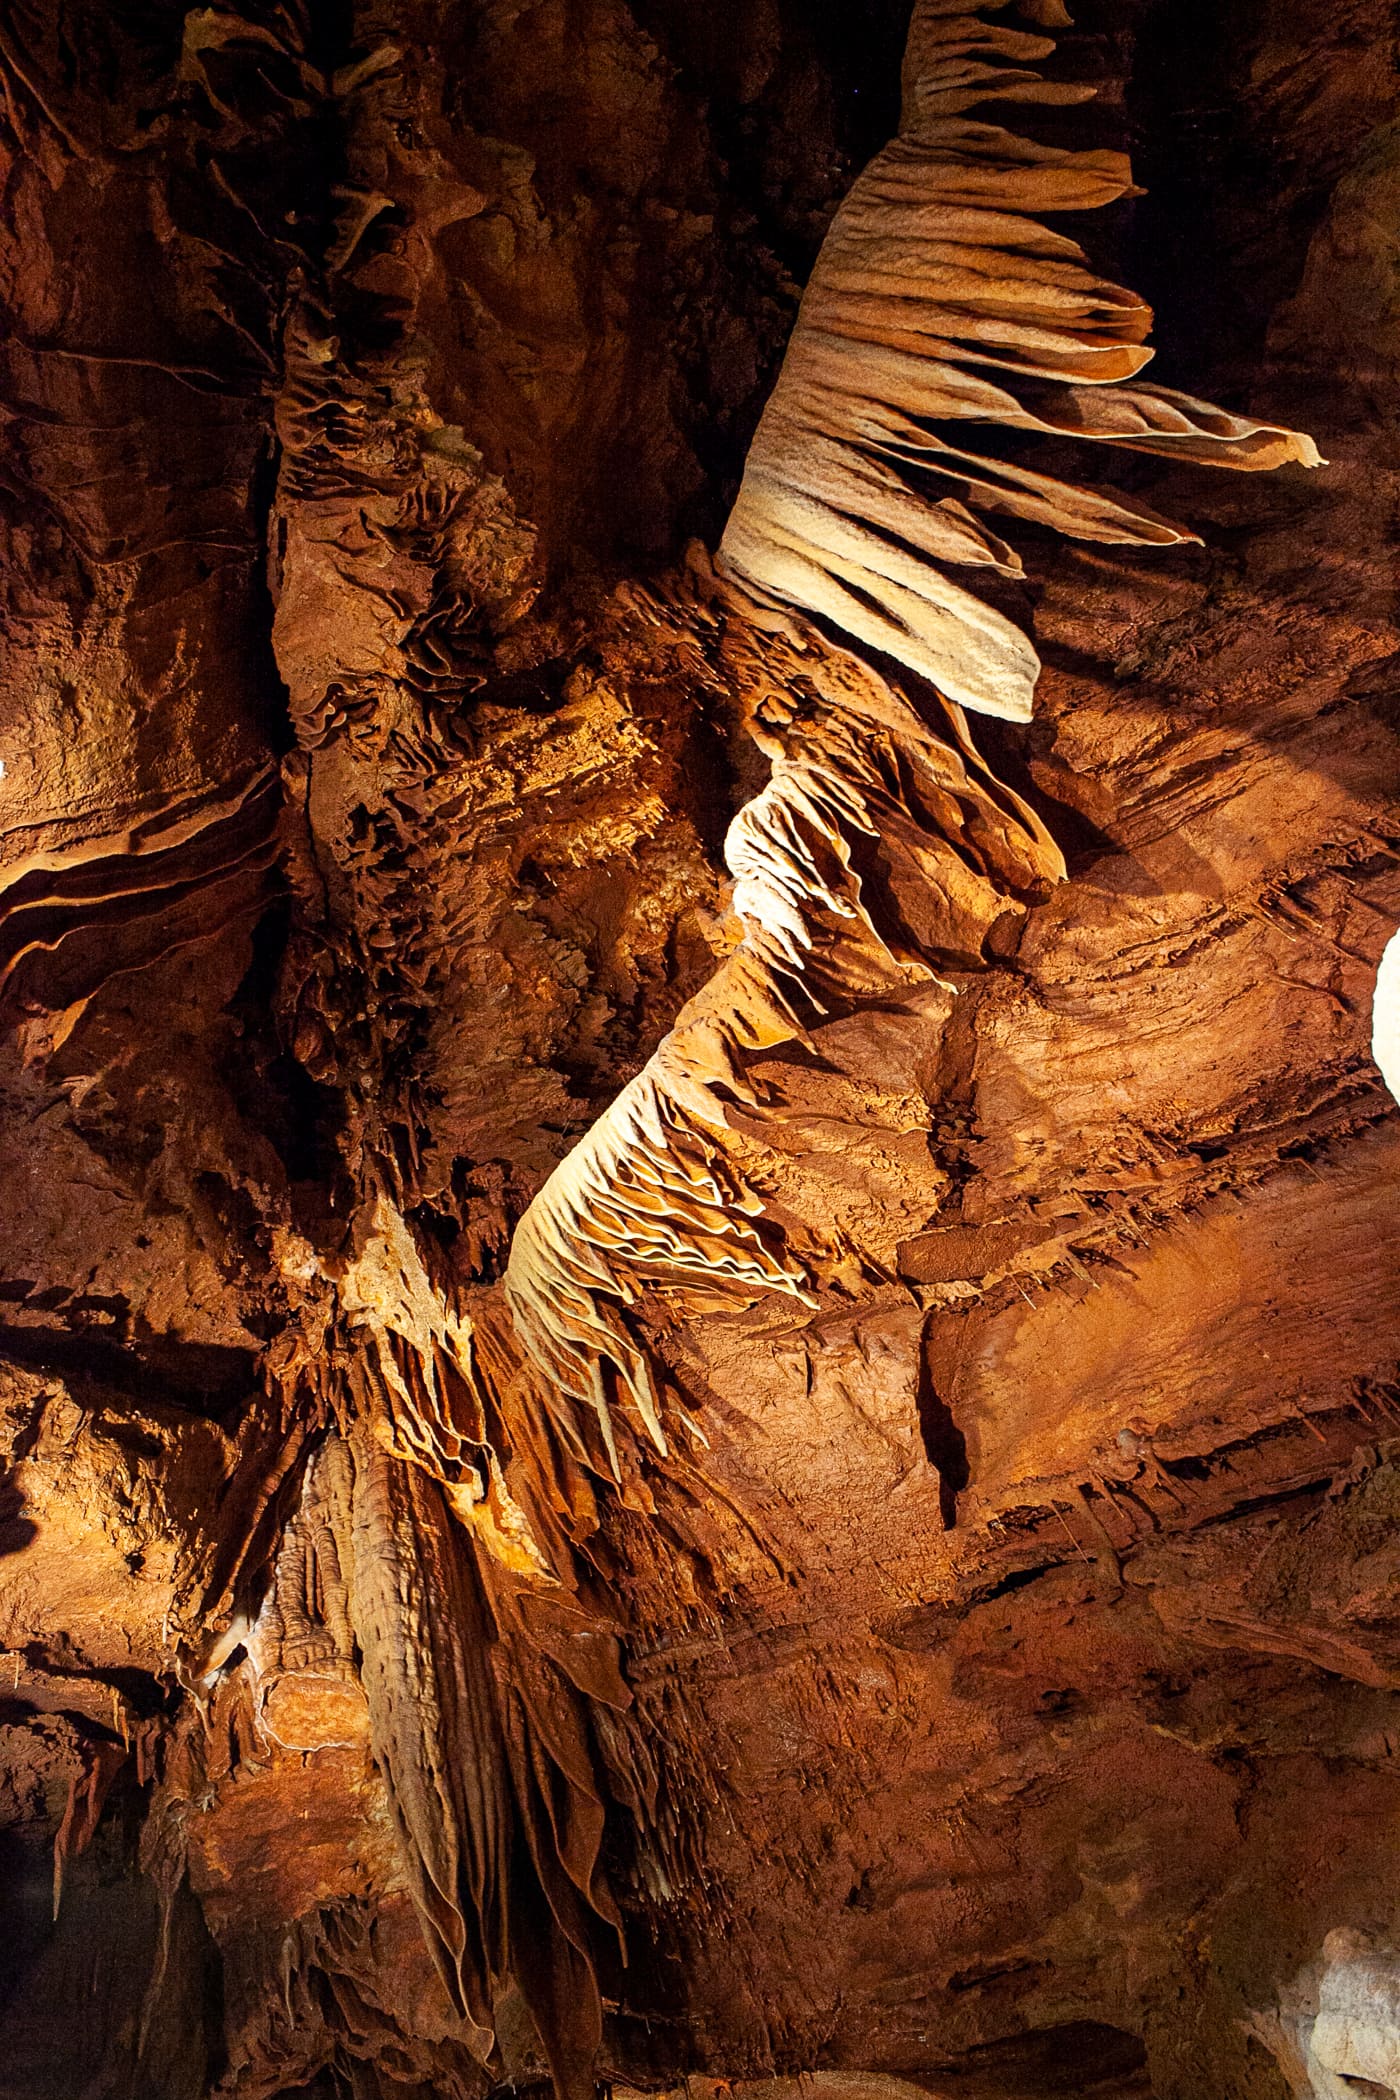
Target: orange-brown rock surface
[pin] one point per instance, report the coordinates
(992, 1689)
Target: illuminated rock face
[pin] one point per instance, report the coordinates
(990, 1686)
(1355, 2039)
(1385, 1016)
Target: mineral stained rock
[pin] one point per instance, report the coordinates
(958, 1654)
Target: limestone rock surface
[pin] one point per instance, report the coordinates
(994, 1687)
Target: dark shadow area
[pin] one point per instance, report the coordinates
(1083, 2057)
(944, 1444)
(16, 1529)
(201, 1378)
(299, 1117)
(107, 1998)
(1219, 239)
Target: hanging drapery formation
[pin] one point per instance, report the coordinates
(422, 1389)
(651, 1195)
(483, 1669)
(110, 898)
(486, 1752)
(492, 1701)
(937, 299)
(406, 1537)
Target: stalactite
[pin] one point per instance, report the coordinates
(421, 1387)
(478, 1720)
(408, 1564)
(936, 299)
(420, 1622)
(87, 1794)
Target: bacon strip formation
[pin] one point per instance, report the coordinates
(939, 304)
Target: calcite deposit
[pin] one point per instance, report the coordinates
(699, 1386)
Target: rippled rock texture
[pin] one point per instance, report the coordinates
(992, 1690)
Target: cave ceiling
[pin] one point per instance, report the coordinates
(699, 1386)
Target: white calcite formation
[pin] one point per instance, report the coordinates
(1385, 1016)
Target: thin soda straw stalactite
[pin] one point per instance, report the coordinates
(939, 305)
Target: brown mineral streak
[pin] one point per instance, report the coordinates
(698, 1371)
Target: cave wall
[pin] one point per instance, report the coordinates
(1012, 1668)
